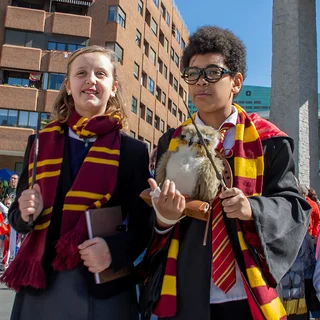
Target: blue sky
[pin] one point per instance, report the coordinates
(250, 20)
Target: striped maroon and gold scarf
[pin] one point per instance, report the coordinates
(102, 159)
(248, 177)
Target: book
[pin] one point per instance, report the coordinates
(104, 222)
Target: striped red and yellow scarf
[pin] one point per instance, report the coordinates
(102, 159)
(248, 177)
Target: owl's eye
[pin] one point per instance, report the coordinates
(182, 136)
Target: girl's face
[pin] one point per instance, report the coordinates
(91, 83)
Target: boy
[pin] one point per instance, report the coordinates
(265, 219)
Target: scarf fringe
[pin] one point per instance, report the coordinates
(33, 274)
(67, 251)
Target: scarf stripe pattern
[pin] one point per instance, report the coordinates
(248, 177)
(103, 160)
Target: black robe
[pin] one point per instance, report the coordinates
(132, 178)
(281, 218)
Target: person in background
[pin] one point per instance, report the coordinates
(5, 231)
(314, 223)
(10, 191)
(313, 196)
(85, 161)
(152, 162)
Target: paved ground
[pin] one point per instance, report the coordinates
(6, 300)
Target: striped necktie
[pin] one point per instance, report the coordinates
(223, 131)
(223, 260)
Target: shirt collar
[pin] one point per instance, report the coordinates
(231, 119)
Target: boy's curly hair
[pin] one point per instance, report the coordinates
(211, 39)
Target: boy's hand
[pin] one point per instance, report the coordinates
(236, 204)
(170, 204)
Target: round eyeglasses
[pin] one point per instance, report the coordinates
(211, 73)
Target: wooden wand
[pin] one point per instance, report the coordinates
(35, 157)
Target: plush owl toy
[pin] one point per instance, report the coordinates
(189, 167)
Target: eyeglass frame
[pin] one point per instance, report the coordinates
(202, 72)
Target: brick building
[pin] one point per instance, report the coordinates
(37, 36)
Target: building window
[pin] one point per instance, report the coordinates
(117, 14)
(22, 119)
(160, 65)
(8, 117)
(150, 85)
(142, 111)
(172, 54)
(156, 122)
(161, 37)
(140, 7)
(165, 71)
(184, 96)
(136, 70)
(158, 93)
(169, 104)
(162, 126)
(149, 116)
(55, 80)
(134, 105)
(178, 36)
(171, 79)
(154, 27)
(22, 79)
(138, 38)
(156, 2)
(146, 48)
(176, 60)
(163, 11)
(166, 44)
(182, 44)
(59, 46)
(143, 80)
(148, 143)
(18, 167)
(168, 19)
(148, 17)
(180, 91)
(184, 117)
(140, 138)
(175, 84)
(163, 98)
(117, 50)
(132, 134)
(174, 109)
(152, 56)
(180, 115)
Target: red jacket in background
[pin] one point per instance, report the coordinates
(314, 218)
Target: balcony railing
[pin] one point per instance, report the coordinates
(25, 19)
(21, 58)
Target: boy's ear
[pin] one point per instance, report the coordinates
(237, 83)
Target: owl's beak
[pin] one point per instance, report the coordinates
(190, 142)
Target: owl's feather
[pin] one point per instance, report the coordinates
(207, 185)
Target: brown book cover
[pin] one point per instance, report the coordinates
(102, 223)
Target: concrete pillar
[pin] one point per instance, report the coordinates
(294, 98)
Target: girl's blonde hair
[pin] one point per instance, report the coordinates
(64, 103)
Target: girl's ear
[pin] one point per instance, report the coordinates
(67, 85)
(114, 88)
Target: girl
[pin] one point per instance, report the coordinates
(84, 161)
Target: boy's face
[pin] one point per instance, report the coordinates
(213, 98)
